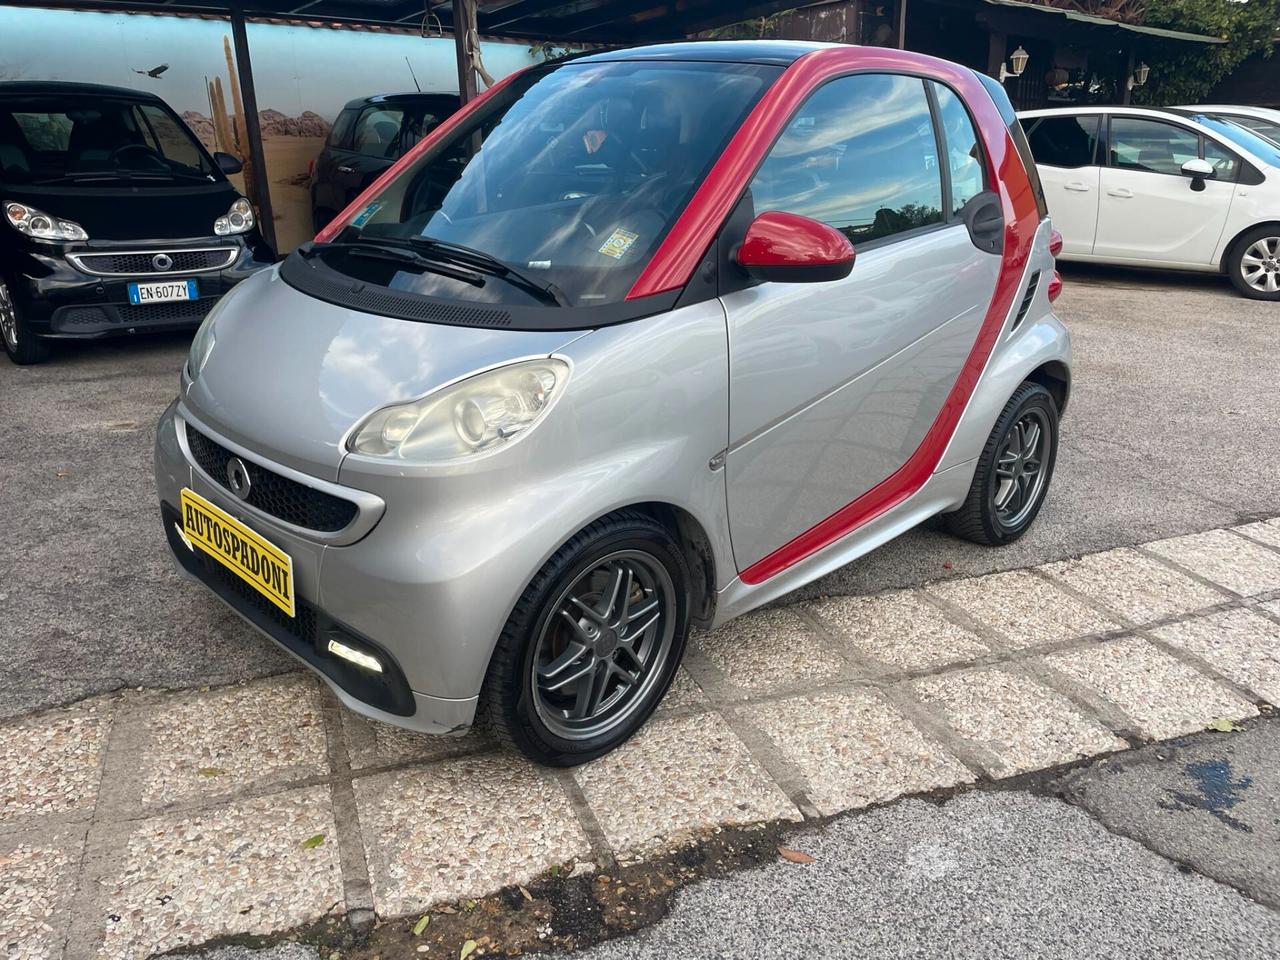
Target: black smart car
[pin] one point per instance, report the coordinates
(116, 218)
(370, 135)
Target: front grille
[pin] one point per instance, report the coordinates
(175, 311)
(184, 261)
(285, 499)
(116, 316)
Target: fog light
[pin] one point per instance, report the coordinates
(339, 649)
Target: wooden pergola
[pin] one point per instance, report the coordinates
(611, 22)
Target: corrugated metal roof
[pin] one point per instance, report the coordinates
(1078, 17)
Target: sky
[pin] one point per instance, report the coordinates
(295, 68)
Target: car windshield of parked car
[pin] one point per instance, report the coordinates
(84, 139)
(569, 180)
(1265, 150)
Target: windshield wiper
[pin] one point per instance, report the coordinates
(547, 292)
(396, 253)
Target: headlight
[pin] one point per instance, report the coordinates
(476, 414)
(239, 219)
(38, 224)
(201, 346)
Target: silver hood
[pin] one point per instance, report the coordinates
(289, 375)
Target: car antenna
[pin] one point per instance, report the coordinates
(411, 73)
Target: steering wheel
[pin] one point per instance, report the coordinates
(144, 153)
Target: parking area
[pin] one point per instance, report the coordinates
(1171, 429)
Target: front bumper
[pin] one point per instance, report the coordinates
(388, 696)
(59, 298)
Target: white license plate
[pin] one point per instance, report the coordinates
(163, 291)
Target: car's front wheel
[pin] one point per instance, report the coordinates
(1254, 263)
(20, 344)
(1013, 473)
(592, 644)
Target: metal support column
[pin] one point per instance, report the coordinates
(464, 21)
(260, 192)
(902, 24)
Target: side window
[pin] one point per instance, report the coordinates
(340, 135)
(1151, 145)
(1064, 141)
(1226, 165)
(378, 132)
(964, 154)
(859, 155)
(173, 140)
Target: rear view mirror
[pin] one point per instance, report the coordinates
(227, 163)
(1198, 170)
(788, 248)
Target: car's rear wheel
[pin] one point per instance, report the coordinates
(1254, 263)
(20, 344)
(1013, 473)
(593, 643)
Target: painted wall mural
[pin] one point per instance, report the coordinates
(304, 75)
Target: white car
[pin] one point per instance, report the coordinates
(1262, 120)
(1162, 188)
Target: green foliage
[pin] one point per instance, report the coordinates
(1185, 72)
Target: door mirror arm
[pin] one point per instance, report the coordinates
(1199, 171)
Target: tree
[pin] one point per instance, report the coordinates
(1188, 71)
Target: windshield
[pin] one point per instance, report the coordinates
(80, 138)
(570, 180)
(1265, 150)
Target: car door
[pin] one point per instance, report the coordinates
(1065, 148)
(1148, 209)
(834, 385)
(331, 186)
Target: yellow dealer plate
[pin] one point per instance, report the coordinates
(256, 561)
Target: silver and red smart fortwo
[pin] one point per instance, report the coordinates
(594, 362)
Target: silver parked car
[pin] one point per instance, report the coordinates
(594, 362)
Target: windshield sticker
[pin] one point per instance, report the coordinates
(619, 242)
(365, 215)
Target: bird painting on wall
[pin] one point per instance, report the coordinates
(154, 72)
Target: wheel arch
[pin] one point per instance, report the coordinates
(1234, 242)
(696, 545)
(1054, 376)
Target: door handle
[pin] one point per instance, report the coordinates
(346, 169)
(1076, 186)
(1122, 192)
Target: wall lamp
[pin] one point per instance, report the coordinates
(1017, 63)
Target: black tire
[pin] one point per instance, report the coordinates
(1268, 237)
(516, 707)
(981, 519)
(22, 346)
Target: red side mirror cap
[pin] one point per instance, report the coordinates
(789, 248)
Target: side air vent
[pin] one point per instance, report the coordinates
(1027, 297)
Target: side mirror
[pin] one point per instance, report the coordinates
(1198, 170)
(227, 163)
(789, 248)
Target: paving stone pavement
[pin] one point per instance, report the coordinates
(148, 821)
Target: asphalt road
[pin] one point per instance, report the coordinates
(1018, 876)
(1172, 428)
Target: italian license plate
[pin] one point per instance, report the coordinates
(256, 561)
(163, 291)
